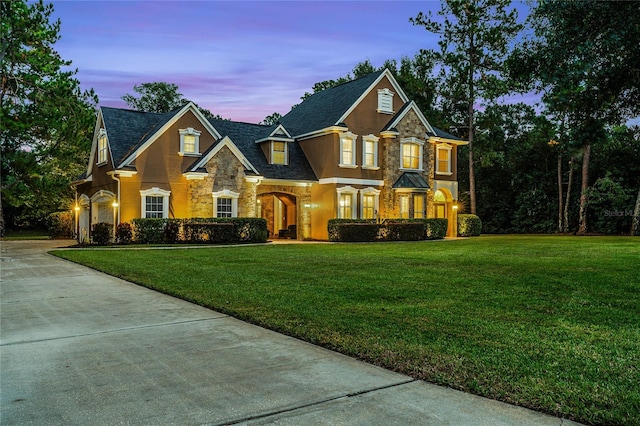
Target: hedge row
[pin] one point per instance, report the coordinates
(363, 230)
(172, 231)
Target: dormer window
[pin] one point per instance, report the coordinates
(279, 152)
(102, 146)
(189, 141)
(411, 154)
(348, 150)
(385, 101)
(370, 152)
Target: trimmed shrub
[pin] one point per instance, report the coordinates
(337, 231)
(148, 231)
(208, 232)
(360, 230)
(124, 233)
(356, 232)
(200, 230)
(435, 229)
(469, 225)
(404, 231)
(101, 233)
(60, 225)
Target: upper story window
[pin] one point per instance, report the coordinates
(370, 152)
(189, 141)
(411, 153)
(278, 152)
(385, 101)
(443, 159)
(155, 203)
(348, 150)
(102, 146)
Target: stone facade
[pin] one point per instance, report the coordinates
(409, 126)
(224, 171)
(302, 197)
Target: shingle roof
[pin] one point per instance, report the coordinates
(244, 135)
(442, 134)
(128, 129)
(411, 180)
(324, 109)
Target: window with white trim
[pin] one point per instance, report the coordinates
(385, 101)
(155, 203)
(278, 152)
(348, 150)
(347, 202)
(189, 141)
(419, 206)
(443, 159)
(225, 203)
(411, 153)
(370, 152)
(369, 199)
(404, 207)
(102, 146)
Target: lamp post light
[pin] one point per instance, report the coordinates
(115, 215)
(455, 219)
(76, 229)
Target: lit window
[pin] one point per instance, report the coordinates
(369, 203)
(189, 141)
(102, 147)
(404, 207)
(155, 203)
(346, 202)
(225, 203)
(278, 152)
(411, 150)
(418, 206)
(443, 159)
(410, 156)
(370, 152)
(347, 150)
(385, 101)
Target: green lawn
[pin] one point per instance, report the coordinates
(547, 322)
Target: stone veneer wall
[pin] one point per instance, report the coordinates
(224, 171)
(410, 126)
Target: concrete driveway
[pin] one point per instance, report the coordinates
(79, 347)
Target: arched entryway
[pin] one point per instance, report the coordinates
(281, 212)
(102, 207)
(443, 207)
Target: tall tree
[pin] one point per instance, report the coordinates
(474, 43)
(585, 58)
(46, 120)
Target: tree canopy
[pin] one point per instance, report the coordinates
(160, 96)
(46, 119)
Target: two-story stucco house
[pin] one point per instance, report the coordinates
(358, 150)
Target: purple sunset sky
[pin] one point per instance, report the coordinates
(242, 60)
